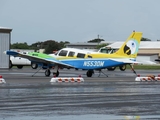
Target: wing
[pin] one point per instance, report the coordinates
(37, 57)
(127, 61)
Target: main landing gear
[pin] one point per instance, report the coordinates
(56, 74)
(89, 73)
(48, 72)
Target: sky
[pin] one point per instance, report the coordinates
(75, 21)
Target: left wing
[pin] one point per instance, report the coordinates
(37, 57)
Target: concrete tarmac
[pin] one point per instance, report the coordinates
(117, 96)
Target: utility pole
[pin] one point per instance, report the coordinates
(98, 36)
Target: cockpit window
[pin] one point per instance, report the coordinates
(63, 53)
(80, 55)
(71, 54)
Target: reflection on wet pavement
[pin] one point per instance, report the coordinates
(94, 100)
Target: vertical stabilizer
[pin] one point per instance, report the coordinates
(130, 46)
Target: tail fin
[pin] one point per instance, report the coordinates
(130, 46)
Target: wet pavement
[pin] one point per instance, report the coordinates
(99, 98)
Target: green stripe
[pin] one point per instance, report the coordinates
(40, 55)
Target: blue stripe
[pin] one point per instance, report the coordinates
(93, 63)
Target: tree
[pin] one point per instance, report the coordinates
(50, 46)
(98, 40)
(63, 44)
(145, 39)
(36, 46)
(19, 46)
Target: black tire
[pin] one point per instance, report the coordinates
(19, 66)
(47, 72)
(10, 65)
(111, 68)
(34, 65)
(89, 73)
(122, 67)
(56, 74)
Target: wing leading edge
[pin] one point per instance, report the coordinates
(37, 57)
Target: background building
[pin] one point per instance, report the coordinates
(88, 46)
(5, 40)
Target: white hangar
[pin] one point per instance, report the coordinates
(5, 40)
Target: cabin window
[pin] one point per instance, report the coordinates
(80, 55)
(63, 53)
(71, 54)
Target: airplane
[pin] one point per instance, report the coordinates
(87, 60)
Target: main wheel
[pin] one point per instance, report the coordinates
(122, 67)
(47, 72)
(34, 65)
(89, 73)
(56, 73)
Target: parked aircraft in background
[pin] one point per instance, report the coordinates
(90, 61)
(110, 50)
